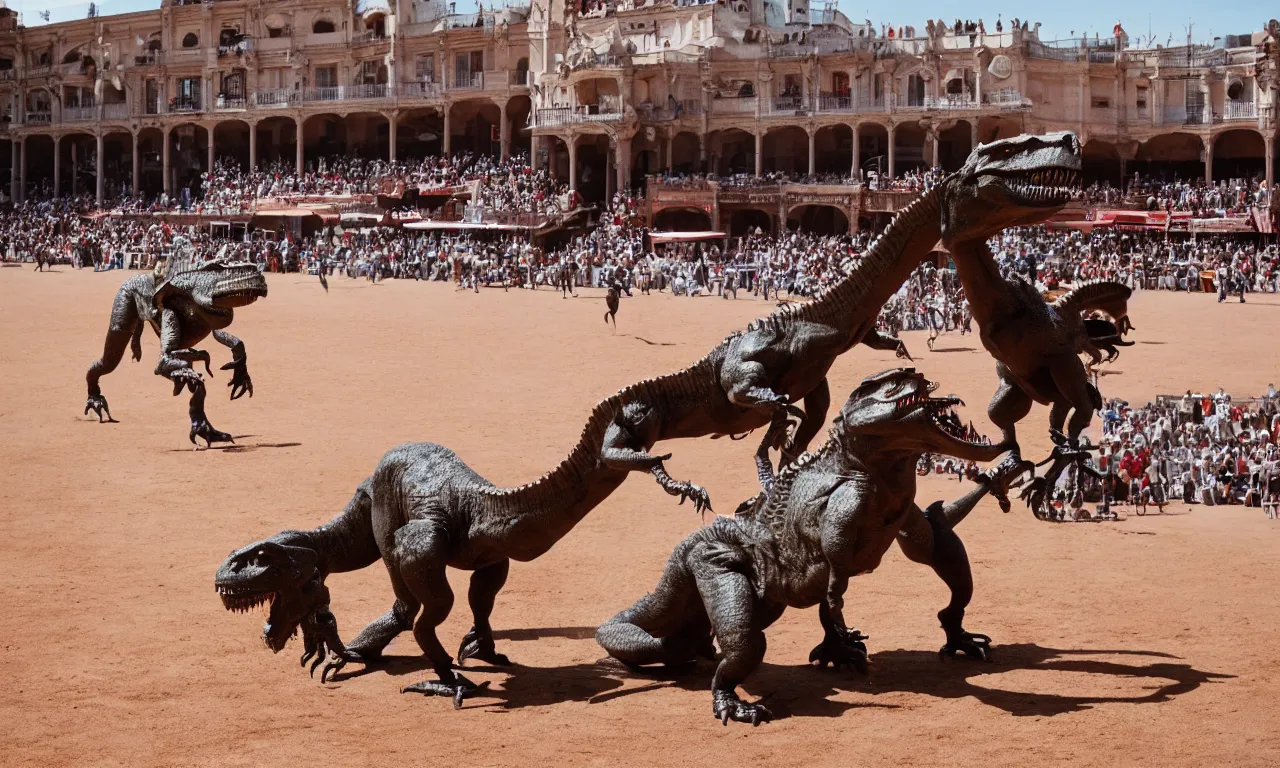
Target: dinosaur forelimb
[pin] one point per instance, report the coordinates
(696, 493)
(240, 382)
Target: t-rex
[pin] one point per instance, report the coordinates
(828, 516)
(182, 308)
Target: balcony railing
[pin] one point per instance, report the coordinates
(1195, 116)
(420, 90)
(229, 103)
(468, 80)
(734, 105)
(1240, 110)
(787, 103)
(79, 114)
(368, 36)
(331, 93)
(116, 111)
(39, 118)
(1007, 99)
(276, 97)
(368, 91)
(949, 102)
(551, 117)
(193, 104)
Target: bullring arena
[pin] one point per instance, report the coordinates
(1142, 641)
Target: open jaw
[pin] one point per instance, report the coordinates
(949, 435)
(278, 628)
(1048, 187)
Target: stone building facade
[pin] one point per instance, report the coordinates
(607, 92)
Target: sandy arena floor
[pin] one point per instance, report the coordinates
(1149, 641)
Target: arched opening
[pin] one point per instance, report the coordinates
(77, 161)
(833, 150)
(190, 40)
(117, 164)
(522, 71)
(231, 144)
(682, 220)
(685, 151)
(420, 134)
(323, 136)
(1170, 156)
(150, 162)
(954, 145)
(594, 166)
(995, 128)
(277, 142)
(908, 147)
(188, 159)
(818, 220)
(747, 90)
(1239, 154)
(72, 56)
(474, 126)
(599, 95)
(39, 152)
(518, 109)
(747, 220)
(786, 150)
(873, 148)
(732, 151)
(555, 157)
(368, 135)
(646, 157)
(322, 26)
(1100, 162)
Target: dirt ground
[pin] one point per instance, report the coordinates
(1147, 641)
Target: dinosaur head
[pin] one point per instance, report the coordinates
(280, 572)
(218, 284)
(896, 411)
(1010, 182)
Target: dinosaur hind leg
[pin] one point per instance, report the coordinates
(112, 352)
(667, 626)
(478, 644)
(421, 553)
(927, 537)
(732, 607)
(1009, 405)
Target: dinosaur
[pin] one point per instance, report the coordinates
(783, 358)
(183, 308)
(827, 516)
(611, 302)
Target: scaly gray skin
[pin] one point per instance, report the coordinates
(182, 310)
(424, 510)
(828, 516)
(1036, 344)
(783, 359)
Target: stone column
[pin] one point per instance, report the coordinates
(392, 131)
(136, 166)
(892, 130)
(933, 137)
(448, 137)
(813, 152)
(253, 147)
(208, 168)
(572, 143)
(702, 151)
(857, 154)
(100, 177)
(1270, 142)
(973, 135)
(164, 161)
(57, 167)
(13, 169)
(1208, 159)
(504, 132)
(671, 142)
(22, 184)
(75, 170)
(759, 153)
(623, 162)
(300, 157)
(535, 143)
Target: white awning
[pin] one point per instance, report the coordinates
(684, 237)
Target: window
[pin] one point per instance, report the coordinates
(1141, 97)
(322, 27)
(1235, 90)
(71, 58)
(327, 77)
(425, 68)
(1101, 102)
(190, 40)
(955, 86)
(233, 85)
(187, 95)
(747, 91)
(915, 91)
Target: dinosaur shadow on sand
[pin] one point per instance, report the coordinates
(799, 691)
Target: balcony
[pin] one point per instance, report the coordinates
(420, 90)
(229, 104)
(185, 105)
(1240, 110)
(1008, 100)
(787, 104)
(276, 97)
(950, 102)
(348, 92)
(115, 111)
(367, 37)
(468, 81)
(552, 117)
(734, 105)
(79, 114)
(39, 118)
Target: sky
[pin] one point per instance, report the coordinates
(1163, 20)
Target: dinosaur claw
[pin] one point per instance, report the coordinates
(727, 706)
